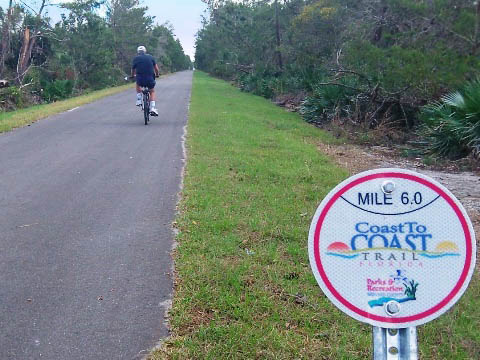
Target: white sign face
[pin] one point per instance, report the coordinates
(392, 248)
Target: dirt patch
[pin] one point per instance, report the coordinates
(465, 185)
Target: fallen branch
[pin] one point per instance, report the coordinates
(25, 85)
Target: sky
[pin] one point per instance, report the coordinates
(184, 15)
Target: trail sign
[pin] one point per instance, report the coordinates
(392, 248)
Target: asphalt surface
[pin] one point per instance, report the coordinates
(87, 199)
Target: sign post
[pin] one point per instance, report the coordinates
(395, 344)
(394, 249)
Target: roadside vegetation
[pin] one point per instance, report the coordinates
(367, 66)
(90, 48)
(244, 288)
(22, 117)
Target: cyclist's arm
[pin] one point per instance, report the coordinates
(157, 71)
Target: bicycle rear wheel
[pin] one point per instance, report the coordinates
(146, 107)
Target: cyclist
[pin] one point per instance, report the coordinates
(145, 68)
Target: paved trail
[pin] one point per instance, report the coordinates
(87, 198)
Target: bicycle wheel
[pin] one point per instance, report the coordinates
(146, 107)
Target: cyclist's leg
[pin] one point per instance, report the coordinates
(153, 109)
(151, 88)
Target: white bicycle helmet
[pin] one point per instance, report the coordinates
(141, 49)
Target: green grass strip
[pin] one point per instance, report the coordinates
(15, 119)
(244, 289)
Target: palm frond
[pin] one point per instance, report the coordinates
(453, 124)
(455, 100)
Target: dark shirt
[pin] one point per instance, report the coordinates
(144, 65)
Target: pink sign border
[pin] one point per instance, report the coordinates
(394, 320)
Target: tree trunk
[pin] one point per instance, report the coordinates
(277, 31)
(5, 45)
(28, 44)
(24, 56)
(378, 31)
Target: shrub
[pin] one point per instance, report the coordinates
(325, 103)
(57, 90)
(262, 84)
(453, 124)
(11, 98)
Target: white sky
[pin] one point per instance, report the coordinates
(184, 15)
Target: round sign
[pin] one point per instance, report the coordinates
(392, 248)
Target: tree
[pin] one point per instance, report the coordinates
(131, 27)
(168, 50)
(89, 46)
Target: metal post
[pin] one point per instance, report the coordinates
(395, 344)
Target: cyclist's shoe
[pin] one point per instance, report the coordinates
(139, 102)
(154, 111)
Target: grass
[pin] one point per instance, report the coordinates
(15, 119)
(244, 288)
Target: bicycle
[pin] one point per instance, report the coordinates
(145, 105)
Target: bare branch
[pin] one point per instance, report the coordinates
(25, 85)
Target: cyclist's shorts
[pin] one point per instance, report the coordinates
(146, 81)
